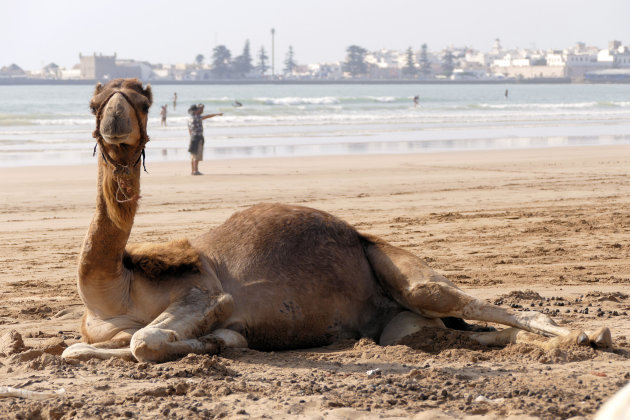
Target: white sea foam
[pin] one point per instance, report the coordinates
(383, 99)
(289, 101)
(530, 105)
(218, 99)
(64, 121)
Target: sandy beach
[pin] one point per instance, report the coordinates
(545, 229)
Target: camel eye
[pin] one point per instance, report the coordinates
(93, 109)
(145, 108)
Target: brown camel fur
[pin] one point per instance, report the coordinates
(272, 276)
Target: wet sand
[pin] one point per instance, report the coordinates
(498, 223)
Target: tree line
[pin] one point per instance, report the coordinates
(225, 66)
(356, 65)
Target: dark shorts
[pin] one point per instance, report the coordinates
(196, 147)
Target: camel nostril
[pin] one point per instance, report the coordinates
(119, 109)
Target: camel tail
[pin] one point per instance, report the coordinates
(378, 253)
(397, 269)
(394, 268)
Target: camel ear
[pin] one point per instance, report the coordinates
(98, 88)
(149, 94)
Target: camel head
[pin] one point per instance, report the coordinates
(121, 108)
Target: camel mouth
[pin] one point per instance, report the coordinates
(115, 138)
(116, 128)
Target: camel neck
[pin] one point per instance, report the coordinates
(116, 203)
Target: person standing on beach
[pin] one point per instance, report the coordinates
(163, 115)
(195, 129)
(174, 101)
(506, 93)
(416, 99)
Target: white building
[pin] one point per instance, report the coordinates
(606, 56)
(326, 71)
(523, 64)
(555, 58)
(581, 60)
(386, 58)
(71, 74)
(622, 60)
(476, 57)
(580, 63)
(616, 56)
(385, 63)
(470, 74)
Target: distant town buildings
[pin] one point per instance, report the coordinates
(12, 70)
(103, 67)
(580, 63)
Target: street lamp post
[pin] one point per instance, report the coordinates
(273, 59)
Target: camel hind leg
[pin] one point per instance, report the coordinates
(408, 323)
(416, 287)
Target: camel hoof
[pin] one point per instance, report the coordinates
(582, 339)
(212, 344)
(573, 338)
(601, 338)
(149, 344)
(230, 338)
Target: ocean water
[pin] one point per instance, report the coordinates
(52, 125)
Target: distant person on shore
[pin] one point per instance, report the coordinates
(163, 115)
(416, 100)
(195, 129)
(174, 101)
(237, 104)
(506, 93)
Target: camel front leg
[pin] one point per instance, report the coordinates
(117, 346)
(182, 327)
(179, 330)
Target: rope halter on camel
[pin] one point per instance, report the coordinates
(122, 170)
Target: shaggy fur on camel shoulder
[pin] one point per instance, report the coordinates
(168, 259)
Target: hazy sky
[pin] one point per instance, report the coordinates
(34, 33)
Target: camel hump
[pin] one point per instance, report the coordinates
(162, 259)
(276, 230)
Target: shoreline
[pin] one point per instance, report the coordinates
(215, 151)
(241, 164)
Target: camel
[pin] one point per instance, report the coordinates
(271, 277)
(617, 407)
